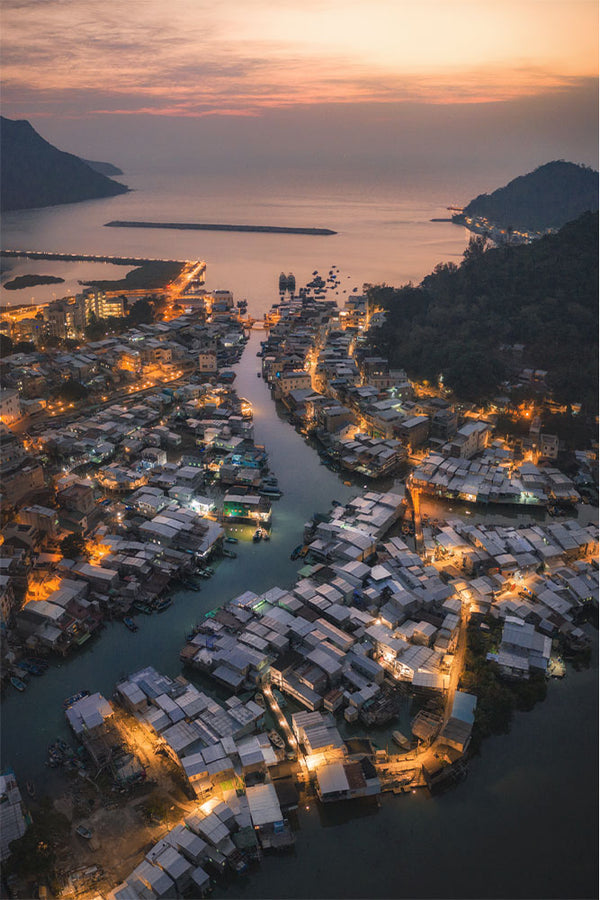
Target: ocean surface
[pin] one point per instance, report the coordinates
(524, 823)
(384, 234)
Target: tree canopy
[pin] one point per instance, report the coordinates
(543, 295)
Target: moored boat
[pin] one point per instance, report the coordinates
(84, 832)
(402, 741)
(229, 553)
(276, 739)
(257, 536)
(231, 540)
(17, 683)
(74, 698)
(129, 623)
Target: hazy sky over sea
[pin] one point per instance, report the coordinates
(387, 86)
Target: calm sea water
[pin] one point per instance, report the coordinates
(524, 823)
(384, 234)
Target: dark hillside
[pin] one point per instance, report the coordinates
(34, 173)
(543, 295)
(552, 195)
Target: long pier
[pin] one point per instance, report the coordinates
(85, 257)
(202, 226)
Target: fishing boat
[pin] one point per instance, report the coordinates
(402, 741)
(71, 700)
(129, 623)
(142, 607)
(17, 683)
(258, 698)
(229, 553)
(231, 540)
(257, 536)
(276, 739)
(84, 832)
(163, 604)
(280, 698)
(296, 552)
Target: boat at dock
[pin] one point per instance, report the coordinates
(84, 832)
(257, 536)
(142, 607)
(401, 740)
(163, 604)
(129, 623)
(229, 553)
(68, 703)
(17, 683)
(276, 739)
(231, 540)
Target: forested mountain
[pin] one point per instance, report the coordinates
(34, 173)
(552, 195)
(543, 295)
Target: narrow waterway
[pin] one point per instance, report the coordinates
(31, 720)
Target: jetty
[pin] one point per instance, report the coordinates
(83, 257)
(203, 226)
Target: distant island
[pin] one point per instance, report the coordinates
(103, 167)
(195, 226)
(35, 174)
(543, 200)
(26, 281)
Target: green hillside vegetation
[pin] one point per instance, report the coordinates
(26, 281)
(151, 276)
(552, 195)
(33, 173)
(543, 295)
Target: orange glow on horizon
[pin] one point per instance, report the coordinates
(216, 60)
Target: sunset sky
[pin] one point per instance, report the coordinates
(92, 60)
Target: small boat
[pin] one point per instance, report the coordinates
(129, 623)
(71, 700)
(163, 604)
(402, 741)
(29, 785)
(296, 552)
(258, 374)
(257, 536)
(17, 683)
(280, 698)
(266, 536)
(84, 832)
(258, 698)
(142, 607)
(276, 739)
(231, 540)
(229, 553)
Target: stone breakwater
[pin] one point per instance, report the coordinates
(202, 226)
